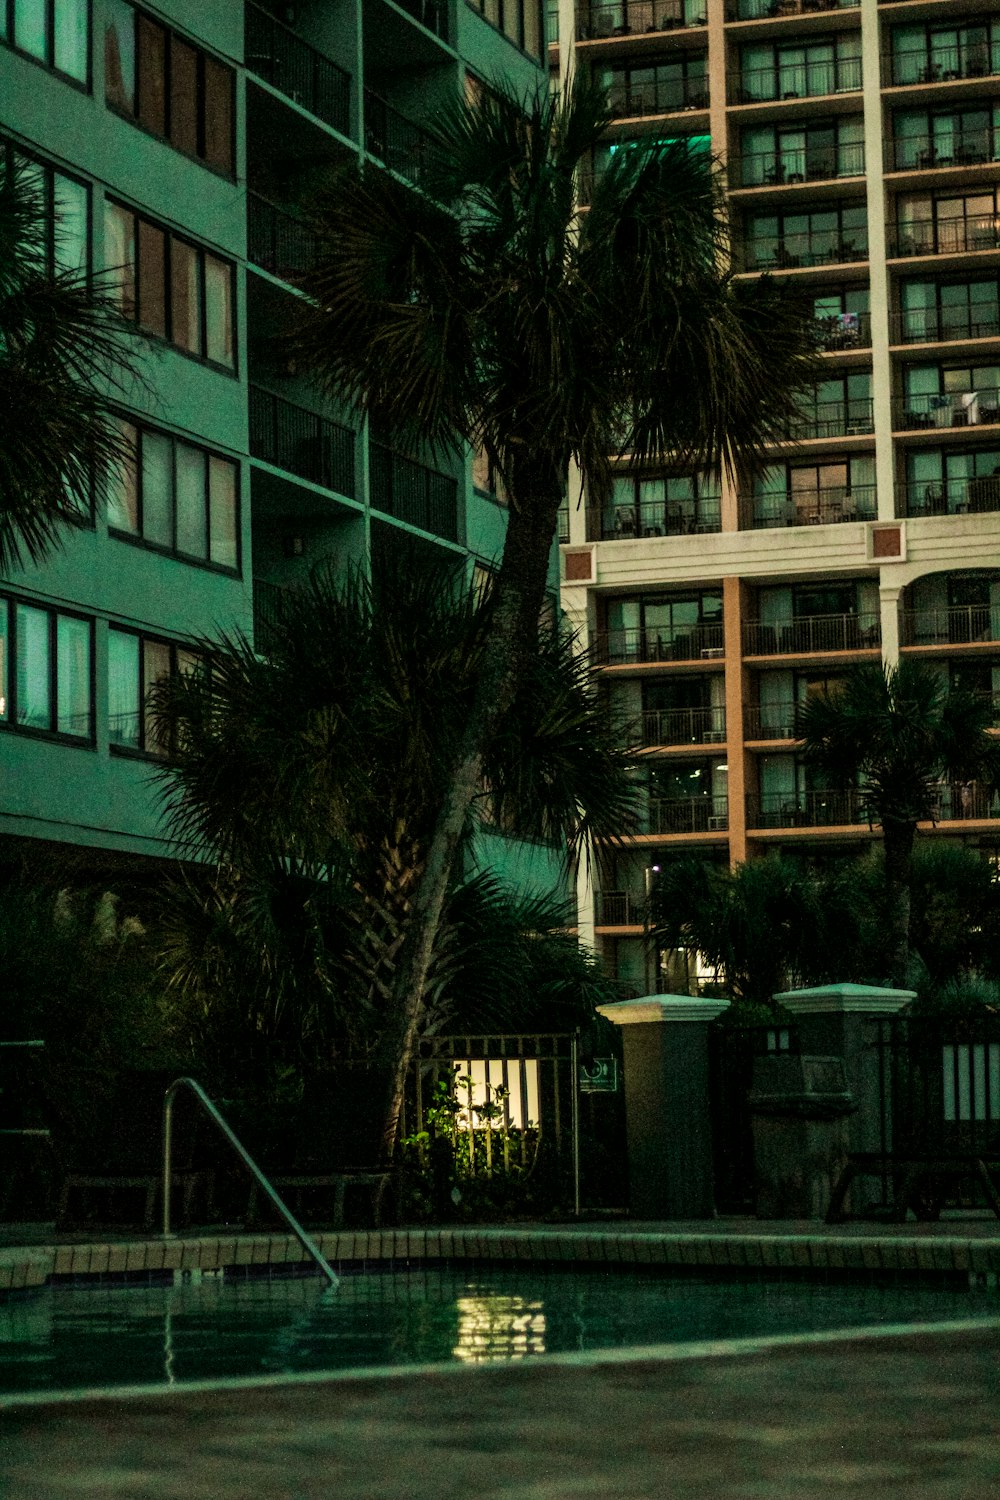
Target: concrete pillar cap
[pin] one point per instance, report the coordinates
(846, 999)
(663, 1008)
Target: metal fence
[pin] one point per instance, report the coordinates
(297, 70)
(412, 492)
(732, 1050)
(301, 441)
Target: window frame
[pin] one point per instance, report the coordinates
(12, 151)
(9, 39)
(145, 638)
(9, 603)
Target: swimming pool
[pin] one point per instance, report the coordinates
(213, 1327)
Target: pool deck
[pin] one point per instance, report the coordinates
(907, 1413)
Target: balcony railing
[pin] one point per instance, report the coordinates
(842, 331)
(954, 497)
(665, 97)
(825, 419)
(619, 909)
(951, 409)
(769, 721)
(828, 506)
(637, 17)
(797, 81)
(921, 153)
(297, 70)
(812, 633)
(684, 726)
(942, 325)
(562, 524)
(276, 240)
(958, 800)
(761, 10)
(687, 815)
(402, 146)
(940, 65)
(301, 442)
(778, 167)
(826, 809)
(413, 493)
(945, 237)
(959, 625)
(806, 249)
(430, 13)
(613, 648)
(653, 518)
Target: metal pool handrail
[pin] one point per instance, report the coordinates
(307, 1243)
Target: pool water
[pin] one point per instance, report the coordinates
(78, 1337)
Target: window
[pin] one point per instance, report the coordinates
(519, 20)
(663, 505)
(803, 152)
(929, 53)
(807, 237)
(177, 497)
(678, 82)
(45, 670)
(169, 87)
(171, 287)
(65, 205)
(56, 32)
(942, 138)
(136, 664)
(823, 65)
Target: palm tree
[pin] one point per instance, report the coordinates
(896, 733)
(313, 777)
(63, 354)
(489, 310)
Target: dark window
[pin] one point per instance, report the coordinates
(180, 93)
(177, 496)
(520, 20)
(65, 208)
(136, 664)
(46, 682)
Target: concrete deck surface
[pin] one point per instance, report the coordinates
(915, 1416)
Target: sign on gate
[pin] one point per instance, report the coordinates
(599, 1075)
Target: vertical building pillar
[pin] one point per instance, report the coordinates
(667, 1107)
(732, 617)
(888, 599)
(871, 76)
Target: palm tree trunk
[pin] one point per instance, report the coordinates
(520, 593)
(897, 841)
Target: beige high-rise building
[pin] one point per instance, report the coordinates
(861, 145)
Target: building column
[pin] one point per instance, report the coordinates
(888, 600)
(667, 1108)
(732, 617)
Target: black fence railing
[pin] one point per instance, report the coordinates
(826, 809)
(953, 497)
(276, 240)
(921, 153)
(779, 167)
(961, 625)
(781, 80)
(944, 236)
(297, 70)
(819, 507)
(653, 518)
(762, 10)
(955, 801)
(684, 726)
(926, 325)
(948, 409)
(269, 602)
(665, 96)
(430, 13)
(812, 633)
(705, 814)
(623, 647)
(732, 1050)
(821, 247)
(939, 64)
(619, 909)
(301, 442)
(397, 142)
(824, 419)
(637, 17)
(412, 492)
(769, 721)
(841, 331)
(940, 1080)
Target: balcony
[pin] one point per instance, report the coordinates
(960, 800)
(943, 325)
(301, 442)
(843, 331)
(684, 726)
(821, 248)
(924, 153)
(941, 64)
(653, 518)
(762, 10)
(812, 634)
(412, 492)
(799, 81)
(276, 240)
(687, 815)
(619, 909)
(290, 65)
(944, 237)
(268, 604)
(430, 13)
(399, 144)
(851, 417)
(597, 22)
(785, 167)
(669, 96)
(827, 506)
(950, 409)
(615, 648)
(954, 497)
(959, 625)
(770, 721)
(827, 809)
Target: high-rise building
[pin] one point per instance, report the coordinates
(861, 144)
(176, 143)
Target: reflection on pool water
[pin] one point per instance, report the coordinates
(72, 1337)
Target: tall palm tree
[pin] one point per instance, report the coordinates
(896, 733)
(488, 309)
(313, 776)
(64, 352)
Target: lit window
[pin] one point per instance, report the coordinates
(176, 496)
(56, 32)
(48, 688)
(136, 665)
